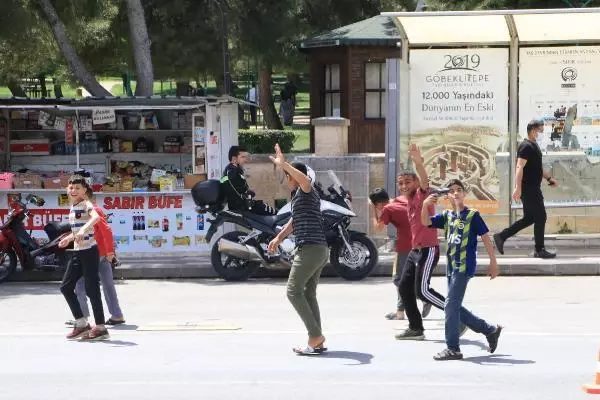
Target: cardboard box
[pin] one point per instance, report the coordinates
(27, 181)
(36, 147)
(126, 146)
(56, 182)
(190, 180)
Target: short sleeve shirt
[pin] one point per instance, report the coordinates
(80, 215)
(461, 232)
(534, 170)
(396, 213)
(422, 236)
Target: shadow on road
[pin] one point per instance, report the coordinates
(124, 327)
(17, 289)
(117, 343)
(497, 359)
(360, 358)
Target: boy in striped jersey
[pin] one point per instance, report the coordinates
(84, 262)
(462, 226)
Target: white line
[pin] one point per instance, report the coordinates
(123, 334)
(291, 382)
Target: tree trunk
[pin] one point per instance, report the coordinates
(183, 89)
(16, 89)
(140, 42)
(266, 99)
(88, 80)
(57, 88)
(43, 88)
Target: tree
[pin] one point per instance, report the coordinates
(140, 42)
(76, 65)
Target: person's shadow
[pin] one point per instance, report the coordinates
(359, 358)
(467, 342)
(497, 359)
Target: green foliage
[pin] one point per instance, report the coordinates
(264, 141)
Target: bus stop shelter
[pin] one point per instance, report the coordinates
(528, 38)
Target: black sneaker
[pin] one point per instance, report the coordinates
(493, 337)
(499, 243)
(544, 254)
(410, 334)
(447, 355)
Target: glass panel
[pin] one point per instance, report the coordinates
(335, 77)
(336, 111)
(328, 77)
(384, 76)
(383, 104)
(557, 27)
(372, 71)
(372, 100)
(328, 104)
(465, 29)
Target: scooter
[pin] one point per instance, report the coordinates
(16, 244)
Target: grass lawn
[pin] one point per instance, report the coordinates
(302, 144)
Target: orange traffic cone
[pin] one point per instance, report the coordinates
(594, 388)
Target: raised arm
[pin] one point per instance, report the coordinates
(415, 154)
(279, 160)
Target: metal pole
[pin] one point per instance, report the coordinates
(513, 112)
(76, 126)
(226, 75)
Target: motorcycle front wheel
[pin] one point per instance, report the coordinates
(357, 265)
(229, 267)
(8, 264)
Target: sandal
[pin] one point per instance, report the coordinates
(310, 351)
(113, 322)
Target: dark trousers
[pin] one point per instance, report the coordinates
(415, 283)
(534, 213)
(253, 114)
(84, 263)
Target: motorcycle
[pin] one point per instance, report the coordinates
(16, 244)
(237, 255)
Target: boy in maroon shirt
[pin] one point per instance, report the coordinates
(395, 212)
(425, 253)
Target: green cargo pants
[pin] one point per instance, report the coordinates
(302, 285)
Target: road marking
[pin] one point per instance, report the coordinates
(239, 331)
(292, 382)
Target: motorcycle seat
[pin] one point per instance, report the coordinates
(268, 220)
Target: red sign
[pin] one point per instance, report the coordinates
(39, 218)
(69, 136)
(138, 202)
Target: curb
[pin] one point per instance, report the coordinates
(199, 268)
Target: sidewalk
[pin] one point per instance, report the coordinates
(572, 261)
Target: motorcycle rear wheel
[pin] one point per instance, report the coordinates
(9, 265)
(357, 266)
(231, 268)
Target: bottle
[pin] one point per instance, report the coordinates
(135, 222)
(165, 224)
(179, 221)
(143, 222)
(200, 223)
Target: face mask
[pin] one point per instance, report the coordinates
(539, 136)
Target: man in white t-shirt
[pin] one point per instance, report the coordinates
(252, 97)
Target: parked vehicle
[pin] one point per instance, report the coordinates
(238, 254)
(17, 245)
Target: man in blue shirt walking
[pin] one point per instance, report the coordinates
(462, 226)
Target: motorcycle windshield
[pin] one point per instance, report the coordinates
(337, 184)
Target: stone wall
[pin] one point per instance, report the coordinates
(578, 177)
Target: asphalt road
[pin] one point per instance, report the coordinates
(547, 351)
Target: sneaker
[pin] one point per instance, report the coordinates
(395, 316)
(410, 334)
(463, 330)
(544, 254)
(96, 334)
(78, 332)
(447, 355)
(426, 310)
(493, 337)
(70, 322)
(499, 243)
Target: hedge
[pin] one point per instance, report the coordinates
(263, 141)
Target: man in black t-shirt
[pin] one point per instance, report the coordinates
(528, 180)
